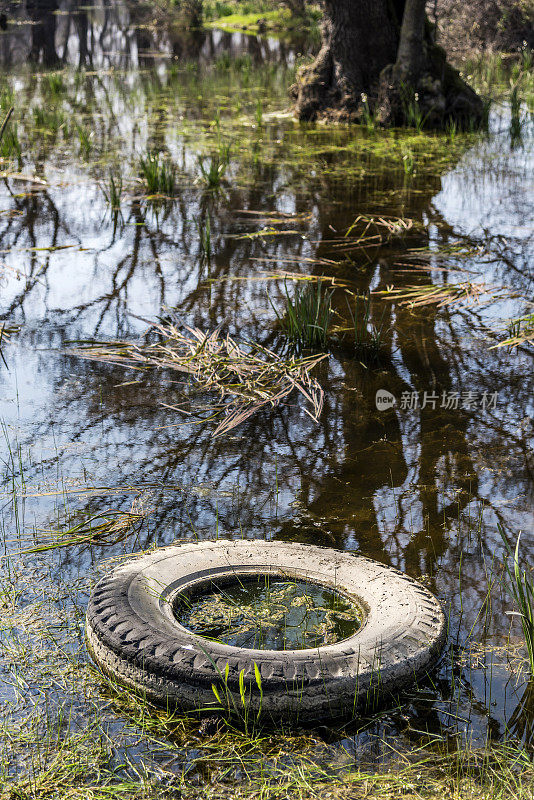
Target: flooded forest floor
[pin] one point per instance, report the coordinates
(155, 174)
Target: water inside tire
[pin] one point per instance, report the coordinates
(270, 614)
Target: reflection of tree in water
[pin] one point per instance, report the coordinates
(336, 473)
(122, 36)
(43, 31)
(341, 465)
(372, 455)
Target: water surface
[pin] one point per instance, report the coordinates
(422, 486)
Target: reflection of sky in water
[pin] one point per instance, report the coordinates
(489, 195)
(491, 190)
(405, 487)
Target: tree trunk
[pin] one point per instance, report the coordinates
(377, 57)
(351, 59)
(411, 52)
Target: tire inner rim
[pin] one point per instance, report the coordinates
(267, 611)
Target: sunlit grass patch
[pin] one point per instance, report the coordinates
(253, 21)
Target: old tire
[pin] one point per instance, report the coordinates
(133, 636)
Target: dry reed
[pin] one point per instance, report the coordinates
(245, 376)
(446, 294)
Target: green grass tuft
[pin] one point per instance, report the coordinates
(159, 174)
(308, 314)
(213, 168)
(113, 191)
(521, 588)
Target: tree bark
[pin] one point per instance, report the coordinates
(375, 54)
(411, 52)
(351, 59)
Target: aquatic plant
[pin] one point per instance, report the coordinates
(408, 162)
(159, 174)
(259, 113)
(104, 529)
(242, 63)
(367, 336)
(4, 123)
(446, 294)
(246, 376)
(49, 119)
(84, 139)
(112, 190)
(241, 710)
(451, 129)
(370, 231)
(368, 118)
(520, 331)
(224, 61)
(307, 314)
(204, 233)
(9, 140)
(54, 83)
(412, 111)
(213, 167)
(269, 613)
(520, 586)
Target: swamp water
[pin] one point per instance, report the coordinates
(94, 463)
(269, 614)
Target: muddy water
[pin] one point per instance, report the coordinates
(421, 485)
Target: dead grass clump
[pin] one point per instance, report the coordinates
(369, 231)
(245, 376)
(446, 294)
